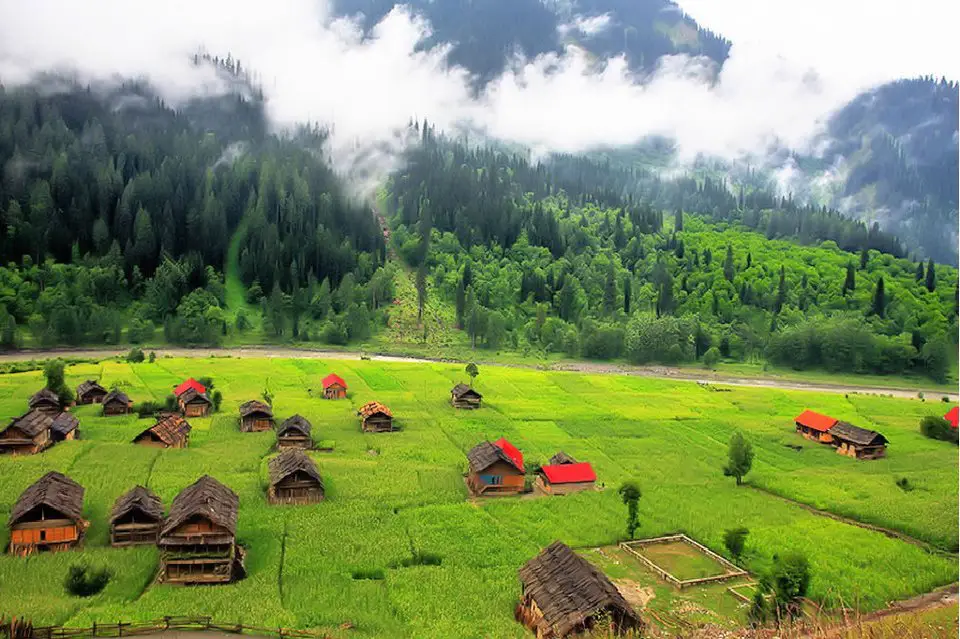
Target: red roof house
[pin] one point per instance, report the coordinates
(187, 385)
(561, 479)
(815, 426)
(511, 451)
(953, 416)
(334, 387)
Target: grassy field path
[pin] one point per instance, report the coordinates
(236, 292)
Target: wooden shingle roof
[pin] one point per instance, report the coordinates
(484, 455)
(55, 491)
(372, 408)
(170, 428)
(42, 396)
(568, 589)
(297, 423)
(64, 423)
(255, 406)
(90, 385)
(291, 461)
(857, 435)
(137, 498)
(206, 498)
(117, 395)
(462, 389)
(561, 458)
(33, 422)
(192, 394)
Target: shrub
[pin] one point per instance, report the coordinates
(711, 357)
(735, 539)
(135, 355)
(375, 574)
(82, 581)
(152, 358)
(904, 484)
(148, 408)
(217, 399)
(207, 382)
(936, 427)
(421, 559)
(170, 403)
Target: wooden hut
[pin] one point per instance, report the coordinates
(294, 432)
(564, 595)
(561, 458)
(28, 434)
(334, 387)
(170, 431)
(116, 402)
(375, 418)
(64, 427)
(495, 469)
(194, 403)
(563, 479)
(135, 518)
(255, 416)
(857, 442)
(815, 426)
(198, 538)
(48, 516)
(463, 396)
(294, 479)
(45, 400)
(90, 392)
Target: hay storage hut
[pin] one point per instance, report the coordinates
(375, 418)
(561, 458)
(28, 434)
(64, 427)
(194, 403)
(294, 432)
(294, 479)
(90, 392)
(255, 417)
(463, 396)
(563, 479)
(198, 538)
(564, 595)
(495, 469)
(334, 387)
(857, 442)
(116, 402)
(45, 400)
(48, 516)
(814, 426)
(135, 518)
(170, 431)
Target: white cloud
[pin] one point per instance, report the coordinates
(587, 25)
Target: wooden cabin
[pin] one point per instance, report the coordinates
(561, 458)
(45, 400)
(183, 387)
(116, 402)
(136, 518)
(814, 426)
(255, 417)
(565, 595)
(64, 427)
(194, 403)
(334, 387)
(294, 432)
(198, 538)
(28, 434)
(563, 479)
(294, 479)
(495, 469)
(90, 392)
(463, 396)
(170, 431)
(375, 418)
(48, 516)
(857, 442)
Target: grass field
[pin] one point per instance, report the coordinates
(682, 560)
(391, 495)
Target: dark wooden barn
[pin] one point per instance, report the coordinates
(48, 516)
(495, 469)
(565, 595)
(170, 431)
(294, 432)
(334, 387)
(255, 416)
(561, 458)
(45, 400)
(90, 392)
(194, 403)
(116, 402)
(198, 538)
(28, 434)
(375, 418)
(294, 479)
(64, 427)
(463, 396)
(136, 518)
(857, 442)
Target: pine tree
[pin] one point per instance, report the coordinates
(919, 271)
(781, 291)
(728, 269)
(931, 276)
(864, 258)
(879, 301)
(850, 283)
(678, 220)
(749, 260)
(626, 295)
(610, 291)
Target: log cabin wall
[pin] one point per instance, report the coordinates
(499, 478)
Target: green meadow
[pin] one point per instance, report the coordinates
(392, 495)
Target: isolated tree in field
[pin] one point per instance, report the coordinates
(789, 581)
(217, 399)
(53, 372)
(728, 269)
(630, 494)
(740, 458)
(931, 276)
(735, 539)
(879, 299)
(850, 283)
(472, 370)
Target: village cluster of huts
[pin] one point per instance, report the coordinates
(846, 438)
(44, 424)
(497, 468)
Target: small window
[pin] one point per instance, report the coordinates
(43, 535)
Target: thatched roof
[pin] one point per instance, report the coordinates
(170, 428)
(372, 408)
(33, 422)
(55, 491)
(90, 385)
(117, 395)
(461, 390)
(569, 589)
(291, 461)
(255, 406)
(137, 498)
(206, 498)
(561, 458)
(484, 455)
(297, 423)
(192, 394)
(64, 423)
(44, 396)
(857, 435)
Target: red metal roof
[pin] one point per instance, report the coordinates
(816, 421)
(187, 385)
(511, 451)
(953, 416)
(569, 473)
(332, 379)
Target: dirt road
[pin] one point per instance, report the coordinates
(657, 372)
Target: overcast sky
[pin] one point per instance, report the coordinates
(861, 42)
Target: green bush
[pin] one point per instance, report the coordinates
(82, 581)
(148, 408)
(936, 427)
(711, 357)
(135, 355)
